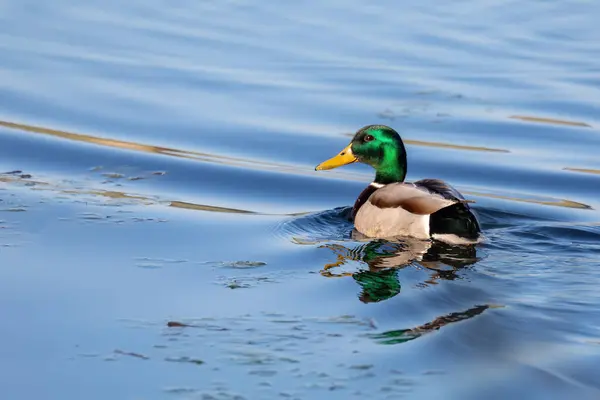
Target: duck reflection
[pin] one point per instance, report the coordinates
(405, 335)
(385, 258)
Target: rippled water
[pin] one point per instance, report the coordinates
(164, 235)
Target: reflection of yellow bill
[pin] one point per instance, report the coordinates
(345, 157)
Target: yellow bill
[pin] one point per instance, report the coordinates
(345, 157)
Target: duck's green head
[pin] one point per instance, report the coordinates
(378, 146)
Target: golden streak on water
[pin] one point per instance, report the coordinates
(584, 170)
(549, 121)
(549, 202)
(454, 146)
(204, 207)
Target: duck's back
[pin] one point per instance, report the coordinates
(421, 209)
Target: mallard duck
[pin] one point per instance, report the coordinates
(390, 207)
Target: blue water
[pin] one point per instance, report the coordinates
(163, 233)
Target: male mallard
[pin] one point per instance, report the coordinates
(390, 207)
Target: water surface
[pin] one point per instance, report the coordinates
(163, 233)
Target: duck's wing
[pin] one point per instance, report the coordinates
(440, 188)
(414, 198)
(454, 222)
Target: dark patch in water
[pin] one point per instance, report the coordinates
(245, 282)
(175, 324)
(131, 354)
(18, 174)
(185, 359)
(245, 264)
(155, 263)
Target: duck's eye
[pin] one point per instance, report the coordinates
(368, 138)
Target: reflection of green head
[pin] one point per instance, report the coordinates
(377, 286)
(382, 284)
(375, 252)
